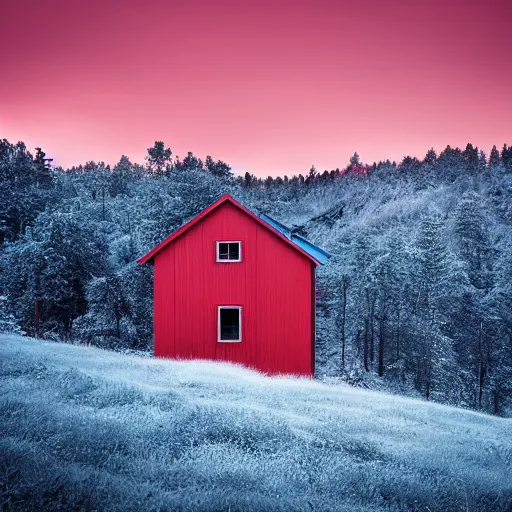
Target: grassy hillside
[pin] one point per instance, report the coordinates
(86, 429)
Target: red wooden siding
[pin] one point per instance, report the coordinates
(273, 285)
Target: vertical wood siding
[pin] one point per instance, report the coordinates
(272, 284)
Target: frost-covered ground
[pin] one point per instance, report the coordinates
(86, 429)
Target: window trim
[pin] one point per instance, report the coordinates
(219, 308)
(217, 256)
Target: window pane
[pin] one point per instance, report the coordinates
(229, 324)
(229, 251)
(234, 251)
(223, 251)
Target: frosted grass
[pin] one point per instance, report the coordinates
(87, 429)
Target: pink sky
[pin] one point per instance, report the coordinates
(270, 87)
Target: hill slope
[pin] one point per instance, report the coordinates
(83, 428)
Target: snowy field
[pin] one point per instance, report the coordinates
(86, 429)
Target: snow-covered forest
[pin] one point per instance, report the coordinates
(417, 297)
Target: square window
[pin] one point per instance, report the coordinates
(229, 326)
(229, 252)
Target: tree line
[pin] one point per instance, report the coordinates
(417, 297)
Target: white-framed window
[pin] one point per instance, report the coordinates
(228, 251)
(229, 324)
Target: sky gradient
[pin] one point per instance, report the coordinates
(270, 87)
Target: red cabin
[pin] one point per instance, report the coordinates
(232, 285)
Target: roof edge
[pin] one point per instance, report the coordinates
(194, 220)
(148, 257)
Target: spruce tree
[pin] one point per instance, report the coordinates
(494, 158)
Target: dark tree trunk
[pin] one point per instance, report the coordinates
(382, 322)
(358, 342)
(372, 337)
(496, 404)
(37, 318)
(481, 366)
(370, 302)
(365, 345)
(481, 380)
(132, 248)
(398, 333)
(343, 318)
(66, 322)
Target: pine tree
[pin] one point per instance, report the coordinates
(451, 161)
(430, 157)
(354, 160)
(473, 239)
(494, 158)
(8, 323)
(365, 264)
(432, 260)
(482, 161)
(220, 168)
(312, 175)
(42, 168)
(158, 158)
(506, 157)
(470, 155)
(121, 176)
(190, 163)
(108, 307)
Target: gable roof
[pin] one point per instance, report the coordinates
(319, 254)
(312, 252)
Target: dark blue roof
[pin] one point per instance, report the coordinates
(315, 252)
